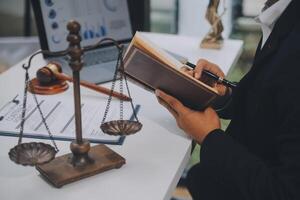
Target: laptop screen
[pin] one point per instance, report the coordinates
(98, 19)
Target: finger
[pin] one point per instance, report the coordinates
(171, 110)
(208, 80)
(172, 102)
(218, 71)
(221, 89)
(187, 71)
(201, 64)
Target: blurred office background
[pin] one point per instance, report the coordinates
(18, 36)
(186, 17)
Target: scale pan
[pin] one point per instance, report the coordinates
(33, 153)
(121, 127)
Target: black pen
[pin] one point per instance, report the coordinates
(215, 77)
(185, 61)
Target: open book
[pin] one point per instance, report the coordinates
(153, 68)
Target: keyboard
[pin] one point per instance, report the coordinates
(99, 56)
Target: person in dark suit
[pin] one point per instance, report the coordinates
(258, 156)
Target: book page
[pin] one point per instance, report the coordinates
(144, 44)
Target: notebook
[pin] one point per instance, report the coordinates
(98, 19)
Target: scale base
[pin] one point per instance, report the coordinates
(60, 171)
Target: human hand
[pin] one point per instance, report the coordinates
(197, 73)
(195, 123)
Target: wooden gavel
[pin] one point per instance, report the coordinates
(53, 72)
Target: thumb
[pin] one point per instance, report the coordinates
(172, 102)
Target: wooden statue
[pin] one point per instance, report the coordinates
(213, 39)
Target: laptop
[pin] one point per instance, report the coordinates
(98, 19)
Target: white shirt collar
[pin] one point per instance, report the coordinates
(268, 17)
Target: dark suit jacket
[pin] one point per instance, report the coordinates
(258, 156)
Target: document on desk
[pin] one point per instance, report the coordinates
(59, 115)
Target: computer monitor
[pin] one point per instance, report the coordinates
(98, 19)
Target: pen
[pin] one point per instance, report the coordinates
(214, 76)
(185, 61)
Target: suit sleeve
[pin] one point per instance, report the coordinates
(247, 173)
(224, 106)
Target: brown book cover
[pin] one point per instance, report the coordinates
(151, 73)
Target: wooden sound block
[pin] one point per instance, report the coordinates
(55, 88)
(60, 171)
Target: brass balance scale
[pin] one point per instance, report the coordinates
(84, 161)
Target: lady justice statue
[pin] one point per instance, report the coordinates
(213, 39)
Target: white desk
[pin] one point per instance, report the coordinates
(155, 157)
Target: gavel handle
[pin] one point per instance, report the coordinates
(92, 86)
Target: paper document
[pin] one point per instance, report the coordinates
(59, 115)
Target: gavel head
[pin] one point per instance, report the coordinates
(47, 75)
